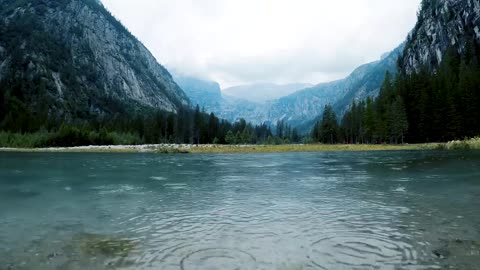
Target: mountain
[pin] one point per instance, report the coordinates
(263, 92)
(367, 83)
(206, 94)
(71, 59)
(302, 108)
(442, 24)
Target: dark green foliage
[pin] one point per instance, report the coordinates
(150, 127)
(398, 120)
(284, 133)
(326, 130)
(242, 132)
(443, 106)
(420, 107)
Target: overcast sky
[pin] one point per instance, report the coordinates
(246, 41)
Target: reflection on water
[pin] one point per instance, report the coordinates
(398, 210)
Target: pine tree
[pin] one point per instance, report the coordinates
(370, 121)
(245, 136)
(280, 129)
(213, 127)
(197, 125)
(398, 118)
(238, 138)
(466, 90)
(230, 138)
(295, 136)
(329, 126)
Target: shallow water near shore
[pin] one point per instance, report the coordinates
(353, 210)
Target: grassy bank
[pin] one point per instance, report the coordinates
(27, 145)
(66, 137)
(467, 144)
(217, 149)
(292, 148)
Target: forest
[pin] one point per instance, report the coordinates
(187, 126)
(425, 106)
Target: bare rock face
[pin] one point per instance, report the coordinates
(442, 24)
(86, 61)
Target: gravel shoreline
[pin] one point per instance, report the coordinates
(145, 148)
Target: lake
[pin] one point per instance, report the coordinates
(349, 210)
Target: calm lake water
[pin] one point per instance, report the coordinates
(382, 210)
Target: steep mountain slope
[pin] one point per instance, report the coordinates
(441, 24)
(262, 92)
(206, 94)
(301, 109)
(370, 82)
(72, 59)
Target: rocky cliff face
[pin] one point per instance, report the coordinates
(76, 56)
(263, 92)
(442, 24)
(206, 94)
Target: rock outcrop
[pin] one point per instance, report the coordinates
(442, 24)
(76, 58)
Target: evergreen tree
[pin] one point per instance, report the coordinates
(213, 127)
(245, 136)
(238, 138)
(230, 138)
(370, 121)
(398, 119)
(295, 138)
(328, 127)
(197, 125)
(280, 129)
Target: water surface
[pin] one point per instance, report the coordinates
(367, 210)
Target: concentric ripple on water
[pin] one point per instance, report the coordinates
(355, 250)
(218, 259)
(305, 211)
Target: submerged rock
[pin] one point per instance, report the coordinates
(77, 251)
(459, 254)
(442, 252)
(103, 245)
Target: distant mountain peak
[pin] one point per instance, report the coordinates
(264, 91)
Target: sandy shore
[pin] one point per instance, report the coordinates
(146, 148)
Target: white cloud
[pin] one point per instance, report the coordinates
(245, 41)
